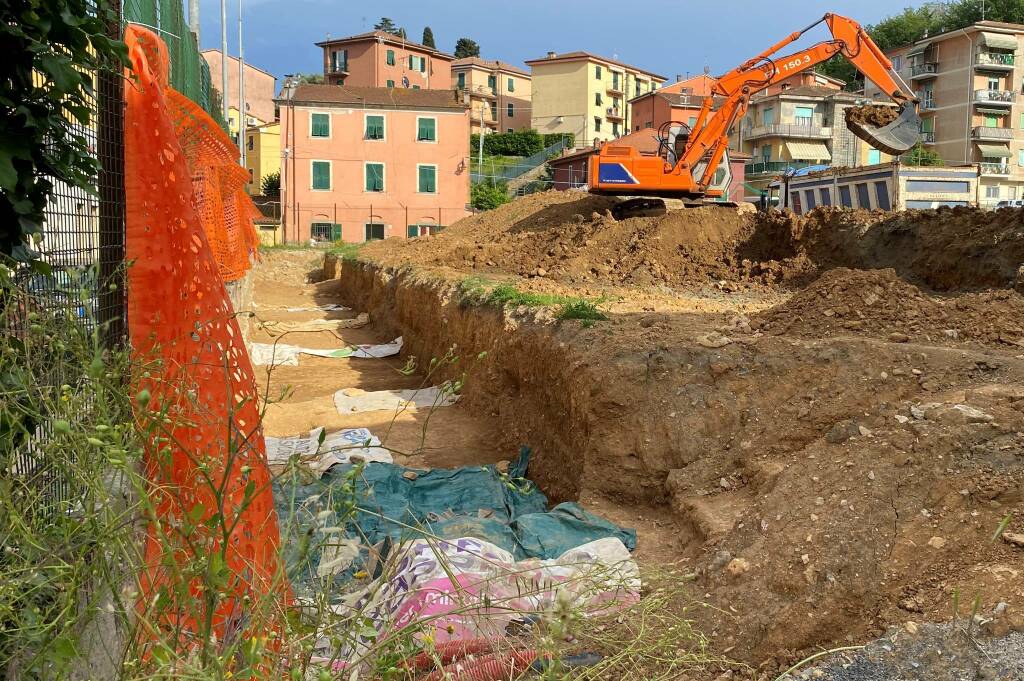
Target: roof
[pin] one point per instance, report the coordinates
(980, 26)
(489, 64)
(644, 141)
(702, 81)
(580, 55)
(385, 37)
(809, 91)
(235, 59)
(395, 98)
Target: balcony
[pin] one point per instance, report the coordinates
(339, 68)
(1000, 97)
(927, 137)
(478, 91)
(786, 130)
(928, 69)
(774, 167)
(995, 168)
(615, 112)
(994, 61)
(615, 87)
(981, 132)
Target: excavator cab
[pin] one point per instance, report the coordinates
(672, 140)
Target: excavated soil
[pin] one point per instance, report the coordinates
(872, 114)
(821, 418)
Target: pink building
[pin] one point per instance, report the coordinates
(380, 59)
(361, 163)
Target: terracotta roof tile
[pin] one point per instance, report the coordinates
(489, 64)
(390, 38)
(579, 54)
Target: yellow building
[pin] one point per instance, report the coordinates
(250, 121)
(587, 95)
(498, 93)
(262, 154)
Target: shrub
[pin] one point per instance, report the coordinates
(489, 194)
(554, 137)
(522, 143)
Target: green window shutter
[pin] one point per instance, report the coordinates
(374, 177)
(462, 81)
(428, 179)
(511, 85)
(427, 130)
(391, 57)
(991, 122)
(321, 175)
(320, 125)
(374, 127)
(411, 67)
(391, 83)
(336, 232)
(423, 65)
(412, 231)
(415, 87)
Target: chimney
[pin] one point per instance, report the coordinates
(679, 77)
(552, 55)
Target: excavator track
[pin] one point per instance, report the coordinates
(653, 206)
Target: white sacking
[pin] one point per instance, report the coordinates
(340, 447)
(354, 400)
(313, 325)
(282, 354)
(330, 307)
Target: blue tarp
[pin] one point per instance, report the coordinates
(385, 504)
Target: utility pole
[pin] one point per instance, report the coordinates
(224, 58)
(483, 129)
(193, 18)
(241, 91)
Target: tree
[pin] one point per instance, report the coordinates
(920, 155)
(271, 184)
(466, 47)
(428, 38)
(387, 25)
(488, 194)
(401, 33)
(312, 78)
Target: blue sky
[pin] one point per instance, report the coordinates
(666, 36)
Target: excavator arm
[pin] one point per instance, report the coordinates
(710, 137)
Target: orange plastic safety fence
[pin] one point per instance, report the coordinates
(212, 570)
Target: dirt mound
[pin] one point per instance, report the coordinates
(878, 303)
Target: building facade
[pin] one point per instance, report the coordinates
(499, 94)
(262, 154)
(260, 90)
(970, 83)
(798, 127)
(884, 186)
(371, 163)
(681, 102)
(380, 59)
(586, 95)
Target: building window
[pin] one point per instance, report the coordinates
(250, 143)
(615, 81)
(391, 83)
(511, 85)
(375, 177)
(492, 84)
(992, 191)
(462, 80)
(649, 124)
(811, 203)
(767, 116)
(863, 198)
(991, 122)
(494, 111)
(874, 156)
(426, 129)
(639, 87)
(511, 110)
(321, 172)
(323, 231)
(426, 179)
(897, 63)
(692, 122)
(844, 196)
(320, 125)
(993, 83)
(597, 71)
(374, 231)
(391, 57)
(882, 195)
(826, 196)
(414, 231)
(375, 127)
(597, 124)
(653, 86)
(1022, 120)
(1020, 158)
(510, 130)
(597, 99)
(803, 115)
(795, 198)
(339, 60)
(615, 129)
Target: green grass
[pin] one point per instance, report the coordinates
(346, 250)
(493, 164)
(481, 291)
(582, 309)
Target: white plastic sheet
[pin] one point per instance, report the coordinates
(338, 447)
(354, 400)
(282, 354)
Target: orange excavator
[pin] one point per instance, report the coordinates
(690, 156)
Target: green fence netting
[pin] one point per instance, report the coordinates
(190, 74)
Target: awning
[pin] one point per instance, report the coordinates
(918, 49)
(807, 151)
(995, 112)
(1000, 41)
(994, 150)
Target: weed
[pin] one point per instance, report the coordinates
(504, 295)
(346, 250)
(581, 309)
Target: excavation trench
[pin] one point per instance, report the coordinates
(792, 409)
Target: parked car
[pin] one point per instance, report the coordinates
(1010, 203)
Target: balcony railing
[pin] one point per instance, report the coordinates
(762, 167)
(982, 132)
(994, 96)
(928, 137)
(995, 168)
(927, 104)
(614, 112)
(999, 60)
(340, 67)
(787, 130)
(482, 90)
(615, 87)
(924, 70)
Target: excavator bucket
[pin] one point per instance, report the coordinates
(895, 137)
